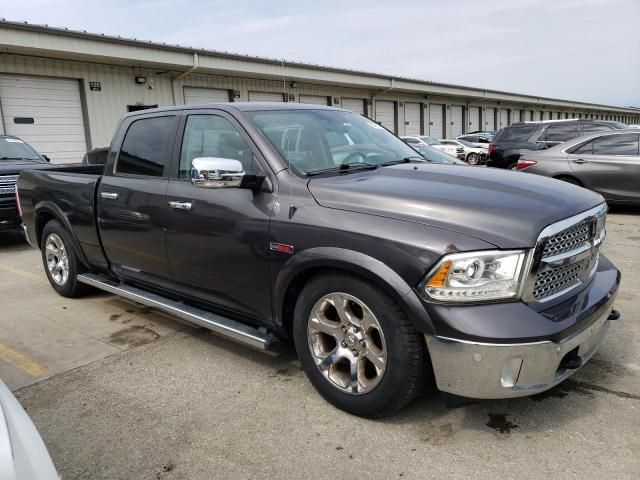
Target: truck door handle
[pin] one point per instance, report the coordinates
(579, 161)
(180, 205)
(109, 195)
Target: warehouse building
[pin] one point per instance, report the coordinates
(64, 91)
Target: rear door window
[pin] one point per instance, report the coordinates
(625, 144)
(146, 148)
(595, 127)
(584, 149)
(519, 134)
(560, 132)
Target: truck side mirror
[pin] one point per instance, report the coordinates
(214, 172)
(46, 158)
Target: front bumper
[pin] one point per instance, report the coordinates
(486, 370)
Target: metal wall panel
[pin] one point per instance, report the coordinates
(456, 121)
(436, 120)
(386, 114)
(46, 113)
(412, 119)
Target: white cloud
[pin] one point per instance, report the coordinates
(579, 49)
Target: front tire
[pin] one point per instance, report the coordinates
(60, 261)
(357, 347)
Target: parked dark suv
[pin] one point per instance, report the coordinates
(505, 149)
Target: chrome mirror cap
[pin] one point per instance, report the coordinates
(213, 172)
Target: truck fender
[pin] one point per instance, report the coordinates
(52, 209)
(358, 263)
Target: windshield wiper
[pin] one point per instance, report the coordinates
(11, 158)
(413, 158)
(344, 167)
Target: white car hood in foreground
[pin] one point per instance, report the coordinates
(23, 455)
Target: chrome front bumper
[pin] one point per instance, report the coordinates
(25, 232)
(493, 371)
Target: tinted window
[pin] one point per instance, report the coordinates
(517, 134)
(213, 136)
(626, 144)
(595, 127)
(146, 145)
(561, 132)
(12, 148)
(584, 149)
(411, 140)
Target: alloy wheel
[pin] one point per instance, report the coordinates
(347, 343)
(57, 259)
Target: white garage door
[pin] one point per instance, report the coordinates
(46, 113)
(504, 118)
(412, 119)
(456, 120)
(474, 119)
(516, 116)
(266, 97)
(314, 100)
(195, 95)
(489, 119)
(436, 121)
(354, 104)
(386, 114)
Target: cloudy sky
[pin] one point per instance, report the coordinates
(586, 50)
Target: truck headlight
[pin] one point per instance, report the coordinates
(476, 276)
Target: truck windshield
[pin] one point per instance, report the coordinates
(15, 149)
(319, 140)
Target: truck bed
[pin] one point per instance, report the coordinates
(67, 194)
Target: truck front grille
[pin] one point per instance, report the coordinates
(570, 239)
(558, 279)
(566, 255)
(8, 184)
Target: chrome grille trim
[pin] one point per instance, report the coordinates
(8, 184)
(566, 255)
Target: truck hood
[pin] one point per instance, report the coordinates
(14, 167)
(505, 208)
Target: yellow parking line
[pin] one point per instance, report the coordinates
(20, 361)
(22, 273)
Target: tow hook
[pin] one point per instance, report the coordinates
(614, 315)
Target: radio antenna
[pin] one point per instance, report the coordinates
(285, 97)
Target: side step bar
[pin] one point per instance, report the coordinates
(253, 337)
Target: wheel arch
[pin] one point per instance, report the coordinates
(46, 211)
(300, 268)
(570, 178)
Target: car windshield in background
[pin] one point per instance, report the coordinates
(16, 149)
(430, 140)
(318, 140)
(466, 144)
(434, 155)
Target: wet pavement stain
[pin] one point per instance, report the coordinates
(499, 422)
(133, 336)
(115, 317)
(553, 393)
(439, 434)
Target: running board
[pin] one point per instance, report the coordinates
(253, 337)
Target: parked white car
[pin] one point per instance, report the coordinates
(478, 139)
(23, 454)
(472, 155)
(452, 150)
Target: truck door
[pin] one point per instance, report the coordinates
(218, 238)
(131, 197)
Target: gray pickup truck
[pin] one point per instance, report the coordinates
(266, 222)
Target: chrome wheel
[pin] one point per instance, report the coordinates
(57, 259)
(347, 343)
(472, 159)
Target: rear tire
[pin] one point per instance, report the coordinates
(364, 357)
(473, 159)
(60, 261)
